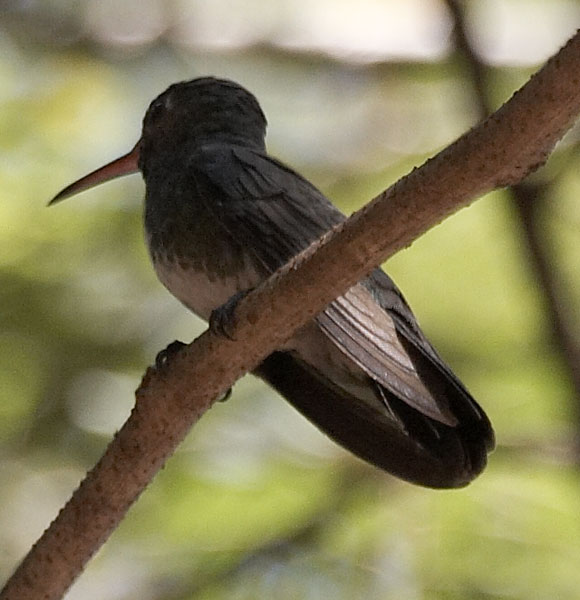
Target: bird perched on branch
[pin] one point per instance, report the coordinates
(221, 215)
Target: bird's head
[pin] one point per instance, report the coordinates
(185, 116)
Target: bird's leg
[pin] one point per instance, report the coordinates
(226, 395)
(162, 359)
(222, 320)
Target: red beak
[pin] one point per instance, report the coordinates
(125, 165)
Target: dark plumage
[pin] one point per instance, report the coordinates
(221, 215)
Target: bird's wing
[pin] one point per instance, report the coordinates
(382, 337)
(367, 334)
(268, 208)
(371, 323)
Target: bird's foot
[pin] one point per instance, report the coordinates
(226, 395)
(222, 320)
(164, 357)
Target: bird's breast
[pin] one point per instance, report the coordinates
(201, 290)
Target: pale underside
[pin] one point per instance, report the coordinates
(202, 294)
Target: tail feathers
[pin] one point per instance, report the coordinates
(413, 446)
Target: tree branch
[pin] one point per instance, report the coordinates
(502, 150)
(528, 199)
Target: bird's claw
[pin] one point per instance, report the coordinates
(226, 395)
(222, 320)
(162, 359)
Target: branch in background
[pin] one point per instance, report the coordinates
(501, 151)
(528, 199)
(347, 487)
(477, 70)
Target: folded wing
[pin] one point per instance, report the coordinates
(429, 430)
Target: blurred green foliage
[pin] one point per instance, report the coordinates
(257, 503)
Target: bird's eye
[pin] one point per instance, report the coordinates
(156, 111)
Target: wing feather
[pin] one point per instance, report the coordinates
(374, 345)
(274, 213)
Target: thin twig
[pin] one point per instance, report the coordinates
(528, 199)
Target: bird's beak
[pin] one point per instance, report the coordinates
(125, 165)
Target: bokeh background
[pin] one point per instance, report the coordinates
(257, 503)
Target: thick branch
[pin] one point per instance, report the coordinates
(502, 150)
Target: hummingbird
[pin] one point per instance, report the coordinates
(221, 215)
